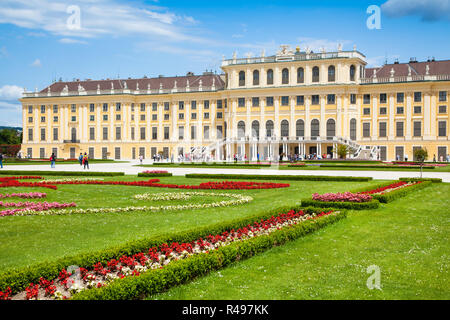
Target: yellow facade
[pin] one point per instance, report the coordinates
(290, 103)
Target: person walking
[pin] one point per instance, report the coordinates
(80, 158)
(141, 158)
(1, 161)
(85, 161)
(52, 160)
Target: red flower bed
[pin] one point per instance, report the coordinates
(396, 185)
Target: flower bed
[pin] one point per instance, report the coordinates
(372, 204)
(102, 274)
(24, 195)
(341, 197)
(28, 208)
(275, 177)
(71, 179)
(388, 188)
(154, 173)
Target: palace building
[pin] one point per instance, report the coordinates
(269, 107)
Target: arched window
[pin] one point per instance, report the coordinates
(300, 128)
(269, 76)
(331, 74)
(353, 129)
(242, 78)
(300, 75)
(285, 76)
(284, 128)
(331, 129)
(255, 129)
(315, 74)
(74, 134)
(241, 129)
(315, 128)
(255, 77)
(269, 128)
(352, 73)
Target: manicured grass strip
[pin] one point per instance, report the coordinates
(62, 173)
(18, 279)
(392, 195)
(275, 177)
(434, 180)
(373, 204)
(375, 166)
(182, 271)
(165, 174)
(208, 165)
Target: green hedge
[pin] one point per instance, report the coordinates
(61, 173)
(276, 177)
(373, 204)
(18, 279)
(182, 271)
(380, 166)
(167, 174)
(391, 196)
(434, 180)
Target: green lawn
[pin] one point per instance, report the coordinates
(30, 239)
(408, 239)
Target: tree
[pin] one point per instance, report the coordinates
(342, 150)
(421, 155)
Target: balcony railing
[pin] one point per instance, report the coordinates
(71, 141)
(439, 77)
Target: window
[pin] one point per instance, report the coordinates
(399, 153)
(118, 133)
(400, 110)
(300, 128)
(442, 128)
(30, 109)
(132, 117)
(55, 108)
(30, 119)
(417, 96)
(91, 133)
(105, 117)
(42, 109)
(383, 153)
(284, 128)
(269, 76)
(117, 153)
(241, 102)
(352, 72)
(206, 104)
(255, 129)
(269, 101)
(194, 116)
(55, 119)
(42, 134)
(400, 97)
(154, 117)
(417, 109)
(30, 134)
(366, 129)
(315, 99)
(255, 102)
(353, 129)
(284, 100)
(73, 118)
(166, 133)
(55, 134)
(383, 98)
(206, 115)
(442, 109)
(142, 117)
(105, 133)
(331, 129)
(399, 129)
(193, 105)
(219, 132)
(300, 75)
(206, 132)
(42, 119)
(315, 74)
(331, 74)
(118, 106)
(331, 99)
(180, 105)
(219, 104)
(269, 128)
(180, 132)
(442, 96)
(366, 99)
(154, 106)
(166, 106)
(142, 107)
(181, 116)
(91, 107)
(300, 100)
(142, 152)
(133, 133)
(382, 129)
(417, 128)
(241, 78)
(166, 116)
(352, 98)
(315, 129)
(73, 108)
(241, 129)
(193, 132)
(132, 107)
(383, 110)
(219, 115)
(366, 111)
(118, 117)
(285, 76)
(255, 77)
(142, 133)
(105, 107)
(154, 133)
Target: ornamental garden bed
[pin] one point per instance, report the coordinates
(154, 173)
(276, 177)
(153, 265)
(63, 173)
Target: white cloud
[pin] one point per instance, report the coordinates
(317, 44)
(72, 41)
(428, 10)
(10, 92)
(36, 63)
(9, 106)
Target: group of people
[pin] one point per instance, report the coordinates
(84, 160)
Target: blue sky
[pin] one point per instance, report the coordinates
(39, 44)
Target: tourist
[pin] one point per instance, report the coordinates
(434, 158)
(141, 158)
(80, 158)
(1, 160)
(52, 160)
(85, 161)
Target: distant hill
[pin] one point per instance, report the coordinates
(14, 128)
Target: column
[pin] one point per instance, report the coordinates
(427, 117)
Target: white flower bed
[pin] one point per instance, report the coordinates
(165, 196)
(71, 179)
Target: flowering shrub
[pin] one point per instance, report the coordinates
(100, 275)
(341, 197)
